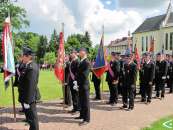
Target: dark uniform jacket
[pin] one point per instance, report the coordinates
(115, 66)
(74, 67)
(141, 73)
(149, 72)
(170, 70)
(67, 73)
(82, 74)
(122, 73)
(28, 81)
(130, 74)
(161, 71)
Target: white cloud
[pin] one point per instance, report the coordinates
(108, 2)
(80, 16)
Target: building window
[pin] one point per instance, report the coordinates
(146, 43)
(142, 44)
(171, 40)
(166, 41)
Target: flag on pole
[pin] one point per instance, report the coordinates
(137, 57)
(59, 66)
(151, 46)
(7, 49)
(129, 49)
(99, 66)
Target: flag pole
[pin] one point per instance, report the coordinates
(102, 78)
(63, 88)
(13, 94)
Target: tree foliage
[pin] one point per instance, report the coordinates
(18, 20)
(50, 58)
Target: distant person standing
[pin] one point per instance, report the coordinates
(28, 82)
(83, 82)
(96, 82)
(73, 69)
(149, 74)
(170, 74)
(112, 78)
(129, 82)
(160, 75)
(67, 93)
(20, 68)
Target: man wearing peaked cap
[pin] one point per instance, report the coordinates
(112, 78)
(148, 77)
(28, 81)
(83, 83)
(73, 67)
(160, 75)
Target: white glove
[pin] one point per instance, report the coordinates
(75, 82)
(75, 87)
(164, 77)
(26, 106)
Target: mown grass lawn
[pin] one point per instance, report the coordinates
(163, 124)
(49, 86)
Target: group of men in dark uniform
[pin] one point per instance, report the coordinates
(122, 75)
(157, 72)
(77, 71)
(26, 79)
(121, 78)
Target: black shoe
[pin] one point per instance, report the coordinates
(123, 107)
(21, 111)
(143, 100)
(96, 99)
(108, 103)
(130, 108)
(113, 104)
(83, 123)
(78, 118)
(148, 102)
(72, 111)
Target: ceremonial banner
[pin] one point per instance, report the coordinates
(99, 66)
(152, 46)
(137, 57)
(7, 49)
(59, 66)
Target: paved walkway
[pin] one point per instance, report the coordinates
(103, 117)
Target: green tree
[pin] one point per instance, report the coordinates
(50, 58)
(41, 49)
(18, 18)
(72, 43)
(54, 42)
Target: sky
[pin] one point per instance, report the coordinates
(117, 16)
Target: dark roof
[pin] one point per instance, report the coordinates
(153, 23)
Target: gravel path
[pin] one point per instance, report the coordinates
(103, 117)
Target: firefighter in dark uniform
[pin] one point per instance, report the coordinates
(28, 82)
(20, 68)
(84, 87)
(96, 82)
(112, 78)
(129, 82)
(73, 67)
(170, 74)
(121, 75)
(141, 79)
(160, 75)
(148, 77)
(167, 59)
(67, 93)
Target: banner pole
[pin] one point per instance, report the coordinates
(63, 89)
(13, 97)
